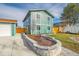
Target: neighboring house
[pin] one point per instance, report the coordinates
(38, 22)
(72, 28)
(55, 28)
(58, 27)
(7, 27)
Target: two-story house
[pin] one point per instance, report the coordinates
(38, 22)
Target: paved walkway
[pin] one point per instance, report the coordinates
(67, 52)
(13, 46)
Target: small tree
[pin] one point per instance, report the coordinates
(71, 13)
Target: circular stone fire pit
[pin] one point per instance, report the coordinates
(43, 45)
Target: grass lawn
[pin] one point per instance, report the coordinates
(67, 42)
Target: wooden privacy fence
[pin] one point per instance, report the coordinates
(20, 30)
(55, 30)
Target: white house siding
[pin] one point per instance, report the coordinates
(5, 29)
(72, 28)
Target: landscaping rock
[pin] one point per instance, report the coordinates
(42, 50)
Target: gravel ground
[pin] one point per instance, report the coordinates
(67, 52)
(13, 46)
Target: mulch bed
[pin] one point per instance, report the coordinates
(41, 40)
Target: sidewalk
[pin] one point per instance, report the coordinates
(67, 52)
(13, 46)
(19, 49)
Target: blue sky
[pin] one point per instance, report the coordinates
(17, 11)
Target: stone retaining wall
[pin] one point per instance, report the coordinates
(53, 50)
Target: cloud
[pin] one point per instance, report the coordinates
(12, 13)
(56, 12)
(32, 5)
(18, 11)
(57, 9)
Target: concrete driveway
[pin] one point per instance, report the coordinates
(13, 46)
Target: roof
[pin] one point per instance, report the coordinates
(28, 13)
(59, 24)
(8, 21)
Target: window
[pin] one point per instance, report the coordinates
(38, 27)
(48, 27)
(38, 16)
(48, 20)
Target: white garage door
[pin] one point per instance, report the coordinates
(5, 29)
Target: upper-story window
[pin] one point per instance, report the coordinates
(38, 27)
(48, 27)
(48, 20)
(38, 16)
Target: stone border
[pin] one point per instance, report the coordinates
(53, 50)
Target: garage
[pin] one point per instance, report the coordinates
(7, 27)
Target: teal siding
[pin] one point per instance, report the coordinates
(44, 21)
(13, 29)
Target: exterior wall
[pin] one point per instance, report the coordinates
(72, 28)
(61, 28)
(5, 29)
(27, 25)
(42, 21)
(13, 29)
